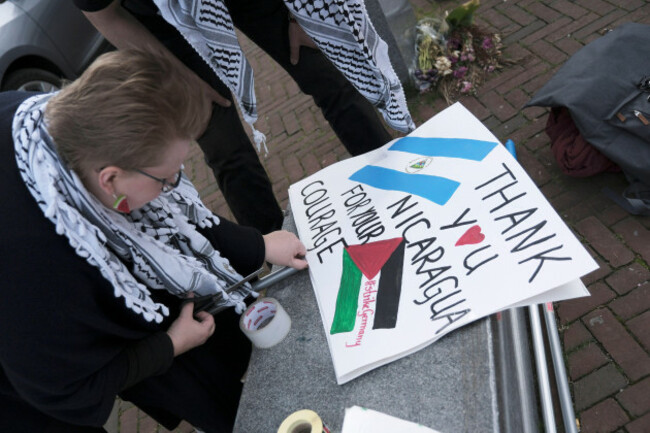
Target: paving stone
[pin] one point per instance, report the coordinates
(522, 77)
(628, 278)
(552, 28)
(497, 19)
(517, 14)
(625, 351)
(307, 121)
(517, 98)
(599, 6)
(536, 141)
(604, 241)
(597, 386)
(504, 131)
(585, 360)
(147, 425)
(551, 189)
(640, 425)
(575, 335)
(640, 327)
(635, 302)
(498, 106)
(290, 122)
(597, 28)
(475, 107)
(129, 420)
(630, 5)
(569, 8)
(612, 215)
(535, 113)
(570, 310)
(605, 417)
(635, 235)
(533, 85)
(569, 45)
(636, 398)
(537, 171)
(533, 128)
(544, 12)
(548, 52)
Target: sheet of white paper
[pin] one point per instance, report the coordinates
(360, 420)
(425, 235)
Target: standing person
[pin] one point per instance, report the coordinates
(227, 149)
(102, 240)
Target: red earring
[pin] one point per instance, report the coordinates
(121, 204)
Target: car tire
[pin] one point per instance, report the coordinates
(32, 79)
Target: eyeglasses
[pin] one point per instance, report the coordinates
(166, 184)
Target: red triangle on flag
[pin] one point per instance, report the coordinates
(370, 257)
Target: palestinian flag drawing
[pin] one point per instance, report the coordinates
(368, 260)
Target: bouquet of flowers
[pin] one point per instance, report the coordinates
(453, 55)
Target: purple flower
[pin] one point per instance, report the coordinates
(454, 44)
(487, 43)
(460, 72)
(466, 86)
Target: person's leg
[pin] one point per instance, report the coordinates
(203, 385)
(238, 171)
(230, 154)
(352, 117)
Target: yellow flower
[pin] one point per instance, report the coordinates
(443, 65)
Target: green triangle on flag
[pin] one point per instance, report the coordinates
(370, 257)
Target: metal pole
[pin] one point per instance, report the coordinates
(568, 415)
(542, 371)
(540, 353)
(273, 278)
(522, 361)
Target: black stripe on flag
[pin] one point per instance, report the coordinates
(390, 289)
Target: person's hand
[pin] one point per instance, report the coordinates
(285, 249)
(186, 332)
(298, 38)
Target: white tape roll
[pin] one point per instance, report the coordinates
(303, 421)
(265, 323)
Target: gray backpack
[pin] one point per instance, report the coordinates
(606, 88)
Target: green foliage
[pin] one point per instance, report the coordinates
(463, 15)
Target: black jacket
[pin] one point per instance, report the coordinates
(68, 346)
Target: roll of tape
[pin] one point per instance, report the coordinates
(303, 421)
(265, 323)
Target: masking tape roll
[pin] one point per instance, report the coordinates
(303, 421)
(265, 323)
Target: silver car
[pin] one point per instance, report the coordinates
(44, 41)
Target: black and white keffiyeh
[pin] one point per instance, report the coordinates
(340, 28)
(344, 33)
(160, 239)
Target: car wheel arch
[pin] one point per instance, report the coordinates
(31, 62)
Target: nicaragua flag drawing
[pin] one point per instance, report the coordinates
(437, 189)
(368, 260)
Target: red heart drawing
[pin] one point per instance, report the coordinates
(473, 235)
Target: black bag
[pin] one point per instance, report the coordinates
(606, 88)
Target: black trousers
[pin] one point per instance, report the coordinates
(203, 385)
(228, 150)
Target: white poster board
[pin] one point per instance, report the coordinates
(427, 234)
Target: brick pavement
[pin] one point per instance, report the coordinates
(606, 337)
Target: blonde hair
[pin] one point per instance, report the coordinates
(124, 110)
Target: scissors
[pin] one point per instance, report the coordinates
(210, 303)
